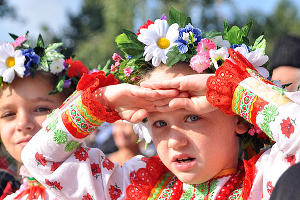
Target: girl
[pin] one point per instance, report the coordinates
(26, 100)
(197, 144)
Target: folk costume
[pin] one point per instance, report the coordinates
(57, 157)
(21, 59)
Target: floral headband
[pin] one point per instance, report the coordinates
(173, 39)
(21, 59)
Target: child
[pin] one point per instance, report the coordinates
(26, 99)
(197, 145)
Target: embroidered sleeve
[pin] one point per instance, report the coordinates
(57, 157)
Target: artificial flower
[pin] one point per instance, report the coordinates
(145, 26)
(256, 58)
(143, 130)
(76, 68)
(57, 66)
(218, 40)
(204, 46)
(199, 63)
(128, 71)
(19, 41)
(31, 59)
(113, 68)
(11, 62)
(218, 56)
(116, 57)
(158, 38)
(67, 83)
(188, 37)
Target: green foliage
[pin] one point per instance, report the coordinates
(235, 35)
(261, 43)
(129, 44)
(174, 56)
(178, 17)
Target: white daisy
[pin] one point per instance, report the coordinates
(11, 62)
(158, 38)
(256, 58)
(57, 66)
(218, 56)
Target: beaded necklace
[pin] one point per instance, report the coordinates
(233, 182)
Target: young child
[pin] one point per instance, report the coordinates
(26, 99)
(197, 144)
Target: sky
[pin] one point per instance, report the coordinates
(53, 13)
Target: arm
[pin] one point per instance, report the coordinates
(56, 155)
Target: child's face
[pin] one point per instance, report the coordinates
(24, 106)
(195, 147)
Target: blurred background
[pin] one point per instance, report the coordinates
(88, 27)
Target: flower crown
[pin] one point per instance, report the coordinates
(173, 39)
(21, 59)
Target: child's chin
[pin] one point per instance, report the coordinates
(190, 178)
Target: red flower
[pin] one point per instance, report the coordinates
(108, 164)
(148, 23)
(87, 197)
(76, 68)
(287, 127)
(54, 184)
(291, 159)
(270, 187)
(96, 170)
(54, 166)
(114, 192)
(40, 159)
(81, 154)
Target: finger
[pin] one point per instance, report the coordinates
(165, 108)
(138, 116)
(173, 83)
(199, 105)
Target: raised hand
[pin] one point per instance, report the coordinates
(133, 102)
(194, 85)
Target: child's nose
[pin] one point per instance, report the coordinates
(25, 122)
(177, 138)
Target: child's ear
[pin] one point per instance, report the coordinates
(242, 126)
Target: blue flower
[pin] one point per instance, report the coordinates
(31, 59)
(188, 37)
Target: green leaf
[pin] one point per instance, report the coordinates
(226, 27)
(246, 28)
(44, 64)
(52, 47)
(260, 43)
(174, 56)
(129, 44)
(106, 67)
(13, 36)
(178, 17)
(40, 42)
(53, 55)
(60, 84)
(211, 34)
(235, 35)
(1, 80)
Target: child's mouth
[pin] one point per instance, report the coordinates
(183, 160)
(185, 163)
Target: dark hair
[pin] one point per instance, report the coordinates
(286, 52)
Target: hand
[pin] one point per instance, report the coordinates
(133, 102)
(194, 85)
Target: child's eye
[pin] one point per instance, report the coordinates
(159, 124)
(7, 114)
(192, 118)
(43, 109)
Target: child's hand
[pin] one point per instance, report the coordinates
(133, 102)
(195, 85)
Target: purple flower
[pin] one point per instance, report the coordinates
(67, 83)
(31, 59)
(163, 17)
(188, 37)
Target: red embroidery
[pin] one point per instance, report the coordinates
(40, 159)
(108, 164)
(81, 154)
(54, 166)
(87, 197)
(287, 127)
(144, 179)
(291, 159)
(114, 192)
(270, 187)
(54, 184)
(96, 170)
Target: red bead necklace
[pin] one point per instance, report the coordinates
(233, 182)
